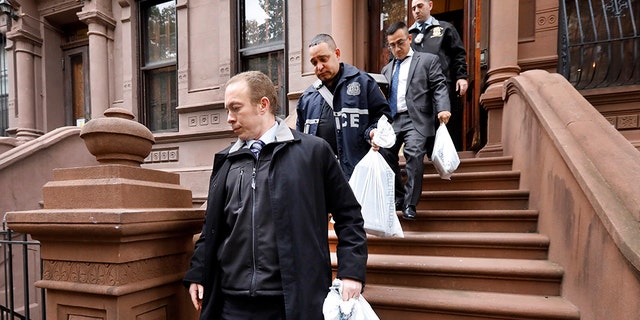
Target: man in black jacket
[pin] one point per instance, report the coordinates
(442, 39)
(263, 252)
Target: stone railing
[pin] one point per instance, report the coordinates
(583, 179)
(115, 238)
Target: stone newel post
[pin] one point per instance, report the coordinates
(115, 238)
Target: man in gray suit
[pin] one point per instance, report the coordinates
(418, 93)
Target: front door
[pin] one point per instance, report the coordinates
(76, 78)
(465, 16)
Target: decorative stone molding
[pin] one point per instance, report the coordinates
(204, 120)
(163, 155)
(183, 76)
(25, 36)
(224, 69)
(547, 20)
(98, 17)
(624, 122)
(108, 274)
(295, 58)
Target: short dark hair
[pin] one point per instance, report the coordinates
(395, 27)
(260, 85)
(323, 38)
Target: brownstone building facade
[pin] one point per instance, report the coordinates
(66, 62)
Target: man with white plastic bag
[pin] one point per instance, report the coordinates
(418, 93)
(445, 156)
(372, 182)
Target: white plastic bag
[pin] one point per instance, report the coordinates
(353, 309)
(372, 182)
(385, 137)
(444, 156)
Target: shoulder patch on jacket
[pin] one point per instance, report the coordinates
(353, 89)
(436, 32)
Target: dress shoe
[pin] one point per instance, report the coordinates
(409, 213)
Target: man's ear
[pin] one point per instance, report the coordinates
(265, 104)
(338, 53)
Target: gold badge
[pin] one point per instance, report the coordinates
(436, 32)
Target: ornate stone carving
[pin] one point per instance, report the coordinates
(111, 274)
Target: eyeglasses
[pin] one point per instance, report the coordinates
(399, 43)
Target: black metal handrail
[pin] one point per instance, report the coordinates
(599, 42)
(4, 88)
(9, 240)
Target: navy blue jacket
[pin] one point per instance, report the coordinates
(358, 103)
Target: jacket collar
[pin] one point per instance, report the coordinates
(283, 134)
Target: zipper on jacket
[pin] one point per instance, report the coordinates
(253, 179)
(253, 228)
(240, 186)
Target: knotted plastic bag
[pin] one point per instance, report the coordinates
(444, 156)
(334, 308)
(385, 137)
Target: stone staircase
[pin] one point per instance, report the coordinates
(472, 253)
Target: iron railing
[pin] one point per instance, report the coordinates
(4, 88)
(22, 266)
(599, 42)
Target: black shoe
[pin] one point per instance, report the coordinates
(409, 213)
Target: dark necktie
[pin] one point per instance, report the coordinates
(255, 147)
(393, 95)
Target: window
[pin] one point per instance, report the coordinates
(4, 89)
(599, 42)
(262, 42)
(158, 65)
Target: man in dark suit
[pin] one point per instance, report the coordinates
(418, 94)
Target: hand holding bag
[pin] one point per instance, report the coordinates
(444, 156)
(385, 137)
(353, 309)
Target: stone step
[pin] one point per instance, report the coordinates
(519, 276)
(463, 244)
(459, 244)
(493, 180)
(472, 164)
(524, 221)
(395, 302)
(474, 200)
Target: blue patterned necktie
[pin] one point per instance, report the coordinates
(255, 147)
(393, 95)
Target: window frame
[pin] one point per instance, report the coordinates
(146, 69)
(244, 54)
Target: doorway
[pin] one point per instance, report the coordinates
(465, 16)
(76, 80)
